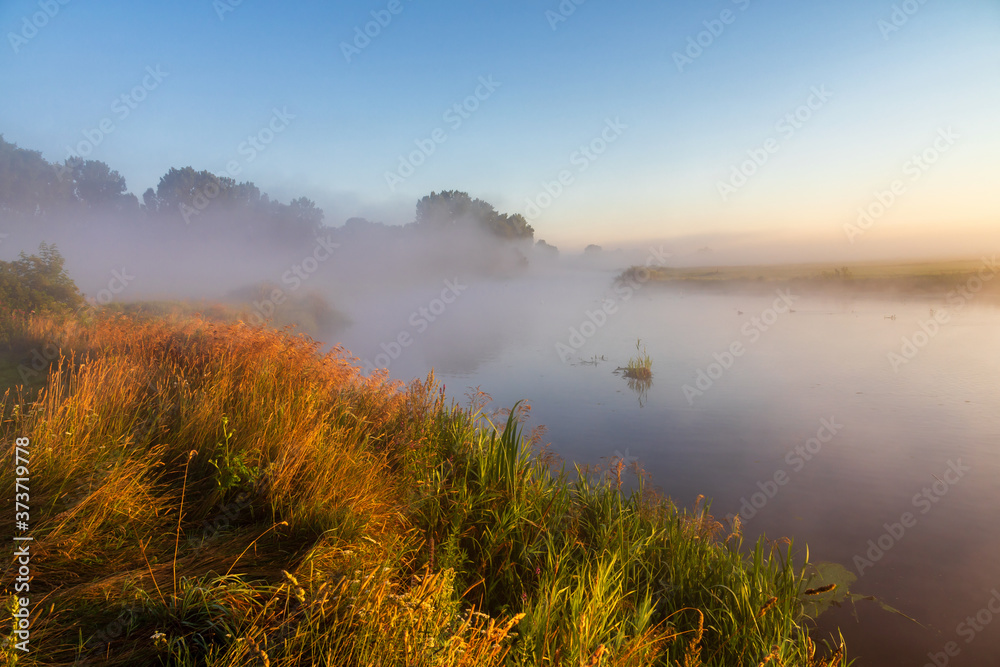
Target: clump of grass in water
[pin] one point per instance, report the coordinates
(640, 367)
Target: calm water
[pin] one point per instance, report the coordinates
(931, 426)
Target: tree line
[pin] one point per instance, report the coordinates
(34, 191)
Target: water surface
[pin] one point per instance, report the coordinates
(891, 433)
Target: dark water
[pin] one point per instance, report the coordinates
(811, 430)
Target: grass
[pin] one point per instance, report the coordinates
(927, 278)
(310, 313)
(640, 367)
(210, 493)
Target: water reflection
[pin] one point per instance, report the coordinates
(639, 385)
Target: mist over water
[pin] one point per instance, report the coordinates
(813, 401)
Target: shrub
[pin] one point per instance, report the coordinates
(38, 283)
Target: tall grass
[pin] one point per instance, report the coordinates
(217, 494)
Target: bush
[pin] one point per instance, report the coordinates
(38, 283)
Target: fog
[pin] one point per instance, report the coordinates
(457, 283)
(380, 276)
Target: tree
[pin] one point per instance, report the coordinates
(97, 187)
(38, 282)
(29, 185)
(189, 188)
(150, 201)
(34, 191)
(451, 209)
(300, 218)
(547, 248)
(202, 197)
(511, 226)
(32, 188)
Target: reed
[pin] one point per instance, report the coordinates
(640, 367)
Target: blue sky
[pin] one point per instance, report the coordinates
(556, 84)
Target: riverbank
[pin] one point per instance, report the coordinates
(950, 280)
(214, 493)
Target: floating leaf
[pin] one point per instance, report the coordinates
(827, 584)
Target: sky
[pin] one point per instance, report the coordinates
(601, 122)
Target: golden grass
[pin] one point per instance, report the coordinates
(112, 429)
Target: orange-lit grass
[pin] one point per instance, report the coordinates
(111, 430)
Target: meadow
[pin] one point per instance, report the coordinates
(932, 278)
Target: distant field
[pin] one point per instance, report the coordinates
(930, 278)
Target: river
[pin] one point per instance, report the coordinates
(808, 415)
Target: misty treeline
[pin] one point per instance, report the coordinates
(36, 192)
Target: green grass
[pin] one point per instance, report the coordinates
(640, 367)
(209, 493)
